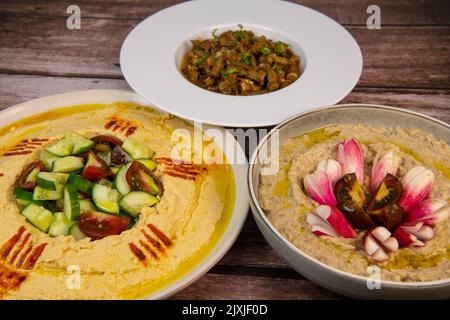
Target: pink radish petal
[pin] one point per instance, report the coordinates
(436, 216)
(336, 220)
(413, 234)
(319, 188)
(381, 167)
(332, 168)
(417, 184)
(350, 155)
(424, 209)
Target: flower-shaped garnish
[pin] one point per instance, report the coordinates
(389, 205)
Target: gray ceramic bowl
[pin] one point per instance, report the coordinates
(331, 278)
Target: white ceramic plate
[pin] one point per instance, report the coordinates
(233, 151)
(151, 54)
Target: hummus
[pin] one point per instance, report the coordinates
(167, 241)
(286, 204)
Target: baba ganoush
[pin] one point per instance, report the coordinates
(93, 205)
(354, 196)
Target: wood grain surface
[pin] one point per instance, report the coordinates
(406, 64)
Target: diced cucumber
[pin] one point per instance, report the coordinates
(87, 206)
(24, 198)
(38, 216)
(80, 143)
(76, 232)
(121, 180)
(47, 158)
(80, 183)
(40, 193)
(60, 225)
(133, 202)
(115, 171)
(62, 148)
(106, 199)
(136, 149)
(51, 180)
(150, 164)
(32, 176)
(46, 184)
(71, 203)
(105, 182)
(68, 164)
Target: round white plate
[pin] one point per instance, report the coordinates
(232, 150)
(151, 54)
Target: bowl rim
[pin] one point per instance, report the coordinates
(260, 212)
(240, 210)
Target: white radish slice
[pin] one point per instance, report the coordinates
(381, 233)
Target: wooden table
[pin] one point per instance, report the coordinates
(406, 64)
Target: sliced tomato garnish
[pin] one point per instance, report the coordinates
(22, 180)
(94, 174)
(106, 138)
(98, 225)
(389, 192)
(95, 168)
(139, 177)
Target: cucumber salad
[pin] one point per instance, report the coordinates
(88, 187)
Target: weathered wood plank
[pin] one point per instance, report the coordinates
(434, 103)
(42, 45)
(19, 88)
(252, 250)
(217, 286)
(405, 57)
(416, 57)
(399, 12)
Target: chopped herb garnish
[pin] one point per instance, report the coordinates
(229, 71)
(265, 51)
(280, 48)
(239, 34)
(246, 57)
(214, 33)
(202, 60)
